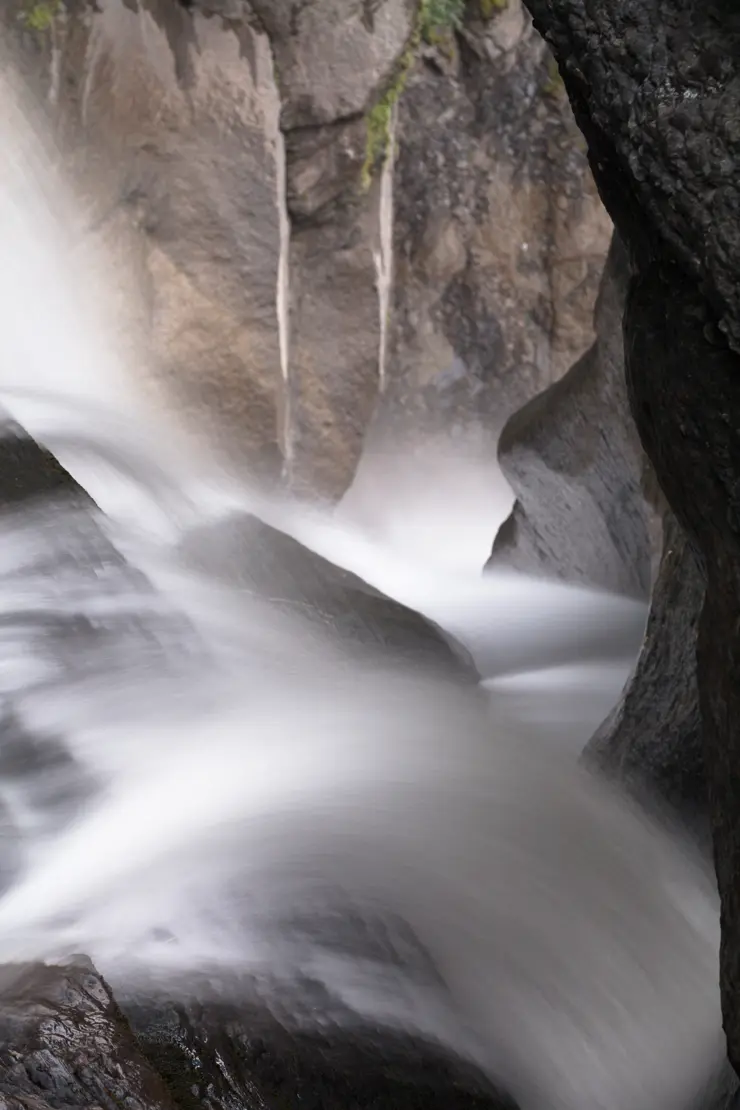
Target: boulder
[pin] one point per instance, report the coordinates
(64, 1042)
(655, 86)
(245, 551)
(573, 458)
(211, 1054)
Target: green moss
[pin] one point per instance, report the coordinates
(554, 85)
(437, 18)
(38, 15)
(379, 117)
(434, 20)
(489, 8)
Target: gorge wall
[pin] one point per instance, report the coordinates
(655, 85)
(281, 279)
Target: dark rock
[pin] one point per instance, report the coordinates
(65, 1043)
(574, 461)
(655, 86)
(246, 551)
(652, 741)
(214, 1056)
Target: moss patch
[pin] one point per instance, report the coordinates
(554, 85)
(437, 18)
(434, 20)
(490, 8)
(38, 15)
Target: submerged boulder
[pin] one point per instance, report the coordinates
(245, 551)
(213, 1054)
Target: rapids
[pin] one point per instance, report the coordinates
(196, 785)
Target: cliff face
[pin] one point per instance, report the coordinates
(322, 211)
(654, 84)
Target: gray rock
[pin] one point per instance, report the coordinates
(65, 1043)
(220, 1056)
(652, 741)
(254, 555)
(582, 482)
(499, 237)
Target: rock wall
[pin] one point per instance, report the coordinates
(655, 88)
(499, 235)
(273, 279)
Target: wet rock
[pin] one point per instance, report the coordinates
(216, 1056)
(256, 556)
(65, 1043)
(655, 88)
(585, 510)
(652, 741)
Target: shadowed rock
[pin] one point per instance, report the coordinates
(655, 85)
(574, 461)
(652, 741)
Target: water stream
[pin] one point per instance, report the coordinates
(195, 782)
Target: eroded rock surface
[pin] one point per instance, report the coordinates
(655, 88)
(573, 458)
(499, 237)
(652, 741)
(265, 284)
(65, 1043)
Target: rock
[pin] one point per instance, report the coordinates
(219, 153)
(582, 482)
(652, 741)
(65, 1043)
(212, 1055)
(498, 235)
(252, 554)
(655, 90)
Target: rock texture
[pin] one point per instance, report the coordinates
(65, 1043)
(573, 458)
(223, 1056)
(265, 284)
(652, 742)
(499, 237)
(655, 89)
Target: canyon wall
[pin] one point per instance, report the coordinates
(329, 222)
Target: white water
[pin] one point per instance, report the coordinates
(225, 767)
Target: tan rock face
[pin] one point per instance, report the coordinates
(172, 124)
(217, 148)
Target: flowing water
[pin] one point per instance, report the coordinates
(196, 782)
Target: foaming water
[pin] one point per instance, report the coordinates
(236, 770)
(195, 783)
